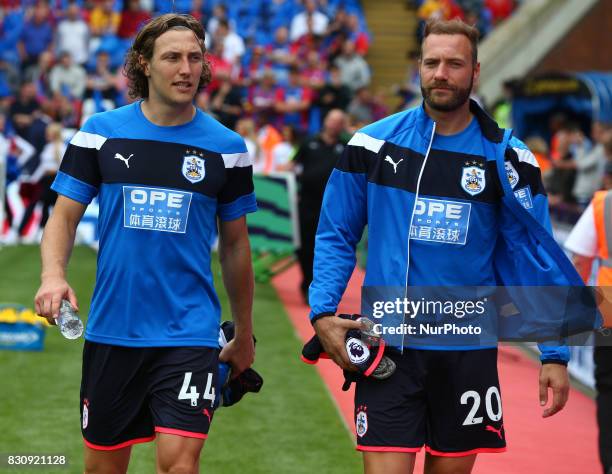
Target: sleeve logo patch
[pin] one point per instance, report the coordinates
(438, 220)
(512, 174)
(164, 210)
(524, 197)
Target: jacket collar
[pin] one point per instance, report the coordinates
(489, 127)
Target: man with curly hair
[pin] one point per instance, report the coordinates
(166, 176)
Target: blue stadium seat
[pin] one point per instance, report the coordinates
(263, 37)
(315, 120)
(9, 36)
(116, 49)
(180, 6)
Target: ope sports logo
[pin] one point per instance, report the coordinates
(524, 197)
(164, 210)
(441, 220)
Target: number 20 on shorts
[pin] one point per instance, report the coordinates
(471, 418)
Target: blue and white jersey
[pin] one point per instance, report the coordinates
(437, 212)
(160, 192)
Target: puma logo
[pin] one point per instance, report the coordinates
(390, 160)
(208, 415)
(498, 431)
(119, 156)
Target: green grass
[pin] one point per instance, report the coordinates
(291, 426)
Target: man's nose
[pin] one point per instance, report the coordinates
(184, 66)
(441, 72)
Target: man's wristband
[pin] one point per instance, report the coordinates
(319, 316)
(554, 361)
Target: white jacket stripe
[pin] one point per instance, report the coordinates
(525, 156)
(367, 142)
(88, 140)
(237, 160)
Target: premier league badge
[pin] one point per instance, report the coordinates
(511, 173)
(357, 351)
(193, 167)
(473, 178)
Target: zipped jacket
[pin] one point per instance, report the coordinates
(473, 219)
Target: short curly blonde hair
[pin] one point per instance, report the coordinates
(138, 85)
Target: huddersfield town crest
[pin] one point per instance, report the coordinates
(473, 178)
(193, 168)
(85, 415)
(511, 173)
(361, 423)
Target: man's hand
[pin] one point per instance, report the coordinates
(553, 376)
(332, 332)
(239, 353)
(55, 248)
(49, 297)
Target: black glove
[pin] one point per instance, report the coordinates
(364, 348)
(231, 390)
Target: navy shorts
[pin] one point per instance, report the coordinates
(447, 401)
(130, 393)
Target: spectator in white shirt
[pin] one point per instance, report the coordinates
(72, 34)
(67, 78)
(219, 13)
(50, 159)
(299, 23)
(233, 44)
(354, 71)
(246, 129)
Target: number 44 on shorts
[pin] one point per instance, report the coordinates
(190, 392)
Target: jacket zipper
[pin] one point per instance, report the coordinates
(416, 198)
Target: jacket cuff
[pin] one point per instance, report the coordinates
(554, 361)
(316, 317)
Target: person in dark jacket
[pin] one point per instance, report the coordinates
(314, 162)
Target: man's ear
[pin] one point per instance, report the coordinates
(477, 75)
(144, 64)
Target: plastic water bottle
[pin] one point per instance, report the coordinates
(68, 321)
(368, 332)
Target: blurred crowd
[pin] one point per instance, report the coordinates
(573, 153)
(64, 57)
(573, 163)
(484, 14)
(279, 68)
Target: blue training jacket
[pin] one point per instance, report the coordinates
(481, 218)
